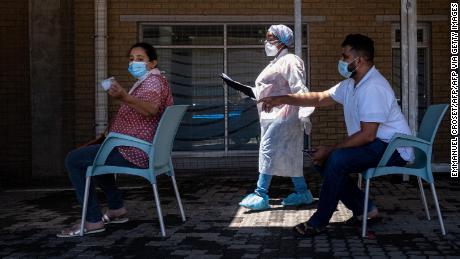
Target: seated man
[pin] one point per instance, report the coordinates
(372, 117)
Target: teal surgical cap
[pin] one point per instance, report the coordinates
(283, 33)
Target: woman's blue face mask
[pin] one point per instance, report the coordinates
(137, 68)
(343, 68)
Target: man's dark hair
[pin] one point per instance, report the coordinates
(363, 45)
(149, 50)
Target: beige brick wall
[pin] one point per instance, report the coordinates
(360, 18)
(84, 70)
(440, 46)
(325, 51)
(14, 92)
(342, 17)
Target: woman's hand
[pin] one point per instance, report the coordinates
(143, 107)
(117, 92)
(269, 102)
(321, 154)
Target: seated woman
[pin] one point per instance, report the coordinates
(138, 116)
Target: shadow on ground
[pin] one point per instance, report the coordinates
(217, 227)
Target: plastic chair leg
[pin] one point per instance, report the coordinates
(179, 201)
(422, 193)
(85, 205)
(160, 214)
(435, 198)
(366, 200)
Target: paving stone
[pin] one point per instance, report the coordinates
(341, 254)
(217, 227)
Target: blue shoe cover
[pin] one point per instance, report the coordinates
(296, 199)
(255, 202)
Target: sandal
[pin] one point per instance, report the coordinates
(305, 230)
(114, 220)
(75, 231)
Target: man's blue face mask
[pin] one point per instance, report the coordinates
(137, 68)
(343, 68)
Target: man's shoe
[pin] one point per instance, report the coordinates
(297, 199)
(255, 202)
(305, 230)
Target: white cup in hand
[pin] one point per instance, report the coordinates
(107, 83)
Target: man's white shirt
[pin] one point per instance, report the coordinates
(372, 100)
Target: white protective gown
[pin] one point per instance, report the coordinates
(281, 141)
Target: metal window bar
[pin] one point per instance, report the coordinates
(225, 93)
(424, 44)
(225, 47)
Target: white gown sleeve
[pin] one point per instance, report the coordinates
(294, 72)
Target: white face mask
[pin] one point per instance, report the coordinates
(270, 49)
(343, 68)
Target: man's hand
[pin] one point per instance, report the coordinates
(310, 99)
(269, 102)
(117, 92)
(321, 154)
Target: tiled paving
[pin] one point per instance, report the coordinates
(217, 227)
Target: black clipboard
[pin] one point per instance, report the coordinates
(246, 89)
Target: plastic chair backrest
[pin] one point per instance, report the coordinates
(431, 121)
(427, 131)
(166, 132)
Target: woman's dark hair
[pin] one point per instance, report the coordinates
(361, 44)
(149, 50)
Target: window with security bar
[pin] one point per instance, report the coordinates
(193, 56)
(423, 66)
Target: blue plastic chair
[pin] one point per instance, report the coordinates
(159, 153)
(421, 167)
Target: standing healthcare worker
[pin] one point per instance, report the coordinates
(281, 143)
